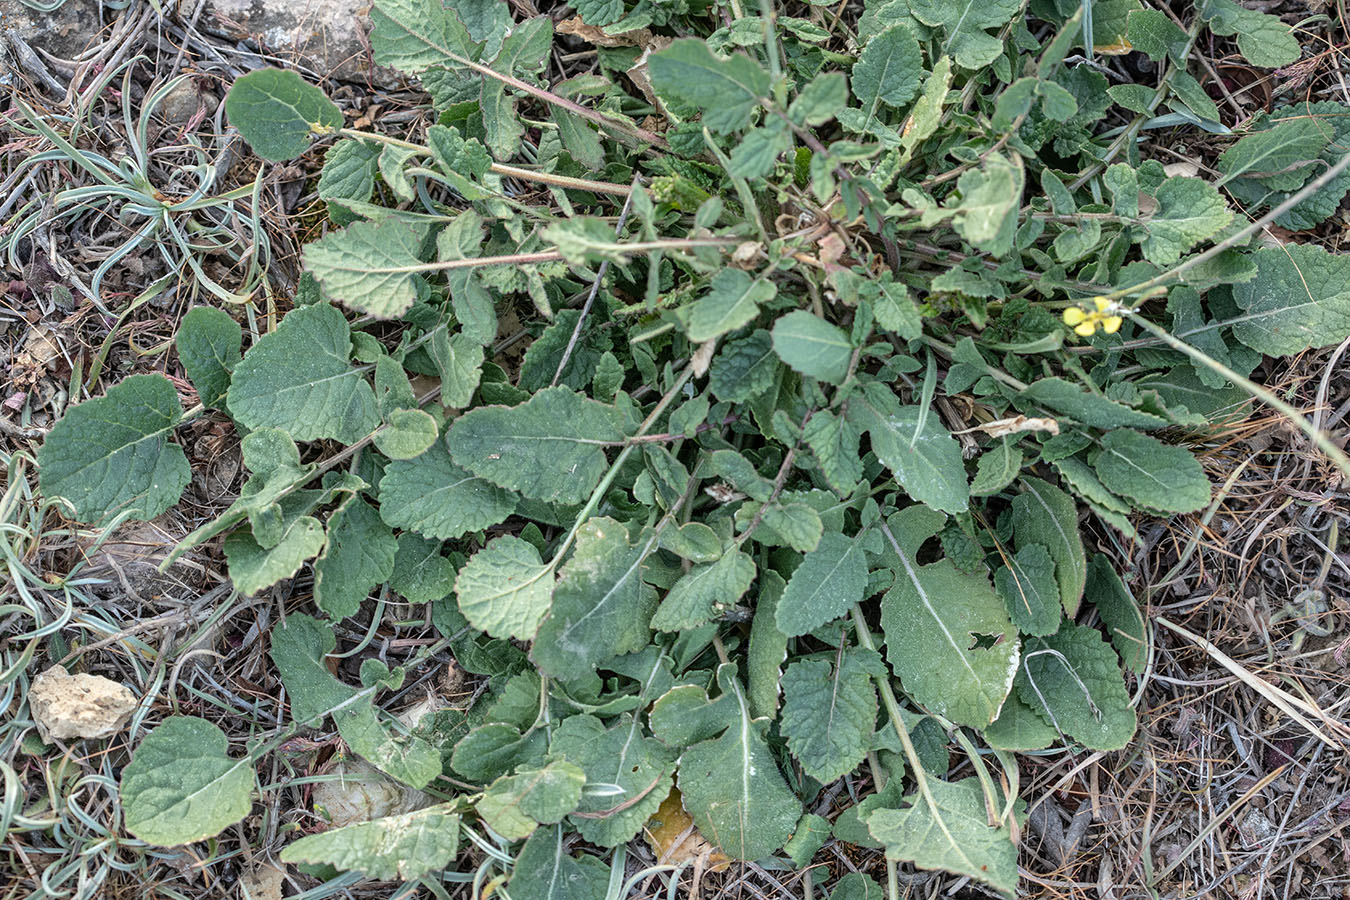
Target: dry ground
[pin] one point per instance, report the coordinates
(1236, 786)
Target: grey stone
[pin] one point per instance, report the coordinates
(328, 37)
(65, 32)
(185, 99)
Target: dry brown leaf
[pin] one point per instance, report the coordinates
(1184, 168)
(1015, 425)
(359, 792)
(675, 839)
(638, 37)
(263, 883)
(747, 254)
(39, 351)
(638, 71)
(702, 358)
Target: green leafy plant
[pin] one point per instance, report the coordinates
(832, 385)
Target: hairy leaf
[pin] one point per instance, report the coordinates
(1155, 475)
(182, 785)
(112, 454)
(1088, 408)
(431, 495)
(1263, 39)
(948, 635)
(365, 265)
(1120, 612)
(505, 590)
(925, 458)
(601, 606)
(514, 805)
(703, 591)
(1028, 588)
(299, 378)
(1072, 679)
(415, 35)
(635, 770)
(964, 23)
(726, 91)
(404, 847)
(829, 581)
(812, 346)
(208, 344)
(551, 448)
(1189, 211)
(733, 301)
(951, 832)
(730, 782)
(1300, 299)
(1045, 515)
(546, 870)
(278, 113)
(829, 713)
(254, 567)
(359, 556)
(298, 650)
(888, 70)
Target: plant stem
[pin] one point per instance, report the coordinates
(626, 129)
(600, 489)
(515, 259)
(892, 705)
(563, 181)
(1263, 394)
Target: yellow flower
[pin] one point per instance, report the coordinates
(1085, 323)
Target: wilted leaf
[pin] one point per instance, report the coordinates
(404, 847)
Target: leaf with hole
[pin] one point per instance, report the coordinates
(948, 635)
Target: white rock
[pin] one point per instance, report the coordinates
(69, 706)
(358, 792)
